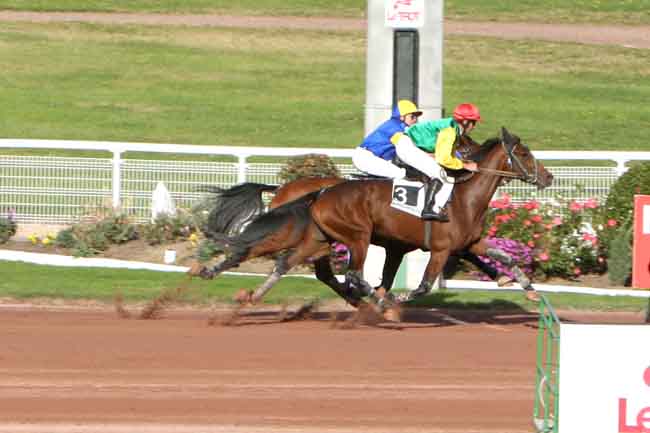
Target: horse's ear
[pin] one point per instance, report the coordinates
(506, 136)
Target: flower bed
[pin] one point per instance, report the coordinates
(560, 239)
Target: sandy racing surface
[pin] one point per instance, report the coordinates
(91, 371)
(88, 371)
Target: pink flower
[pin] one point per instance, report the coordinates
(601, 259)
(531, 244)
(592, 203)
(611, 222)
(536, 218)
(592, 239)
(530, 205)
(536, 235)
(527, 223)
(502, 203)
(557, 221)
(577, 271)
(543, 257)
(575, 207)
(548, 226)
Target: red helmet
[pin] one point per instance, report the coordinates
(466, 112)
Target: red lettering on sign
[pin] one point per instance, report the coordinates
(642, 419)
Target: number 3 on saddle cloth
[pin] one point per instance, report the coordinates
(408, 196)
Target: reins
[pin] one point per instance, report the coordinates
(503, 173)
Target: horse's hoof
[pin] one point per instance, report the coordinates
(243, 296)
(393, 314)
(532, 295)
(195, 270)
(504, 280)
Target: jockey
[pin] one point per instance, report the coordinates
(375, 153)
(415, 146)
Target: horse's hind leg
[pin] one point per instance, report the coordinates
(481, 248)
(324, 273)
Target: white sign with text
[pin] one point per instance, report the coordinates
(404, 14)
(604, 379)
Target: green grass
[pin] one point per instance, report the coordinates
(300, 88)
(513, 300)
(583, 11)
(551, 11)
(29, 281)
(25, 281)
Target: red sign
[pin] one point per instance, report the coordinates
(641, 251)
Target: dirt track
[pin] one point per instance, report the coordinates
(89, 371)
(627, 36)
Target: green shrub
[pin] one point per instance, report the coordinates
(620, 201)
(87, 239)
(310, 165)
(66, 238)
(168, 228)
(8, 228)
(620, 258)
(206, 250)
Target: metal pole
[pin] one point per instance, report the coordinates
(117, 178)
(430, 64)
(241, 168)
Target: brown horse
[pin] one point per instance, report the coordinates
(239, 205)
(356, 213)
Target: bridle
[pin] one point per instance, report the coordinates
(514, 162)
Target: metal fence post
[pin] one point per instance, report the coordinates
(117, 177)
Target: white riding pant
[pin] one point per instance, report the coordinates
(425, 162)
(368, 162)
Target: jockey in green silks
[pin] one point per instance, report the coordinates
(416, 146)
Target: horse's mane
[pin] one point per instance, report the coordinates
(487, 147)
(484, 149)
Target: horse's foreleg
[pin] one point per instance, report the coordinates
(437, 261)
(394, 258)
(481, 248)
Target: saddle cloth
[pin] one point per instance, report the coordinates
(408, 196)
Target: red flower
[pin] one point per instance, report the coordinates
(527, 223)
(611, 222)
(543, 257)
(531, 244)
(536, 218)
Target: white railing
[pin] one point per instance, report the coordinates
(58, 189)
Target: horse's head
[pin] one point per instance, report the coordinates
(522, 162)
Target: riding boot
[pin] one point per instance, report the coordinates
(432, 188)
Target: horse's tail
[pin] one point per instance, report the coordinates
(234, 207)
(286, 222)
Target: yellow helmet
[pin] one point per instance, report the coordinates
(405, 107)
